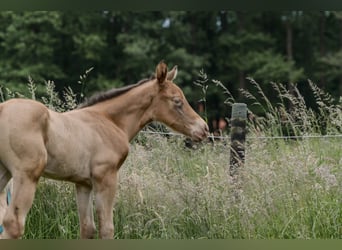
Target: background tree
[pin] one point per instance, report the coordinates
(27, 42)
(331, 61)
(123, 46)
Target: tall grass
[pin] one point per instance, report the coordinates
(287, 113)
(287, 189)
(166, 191)
(291, 116)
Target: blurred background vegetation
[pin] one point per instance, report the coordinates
(121, 47)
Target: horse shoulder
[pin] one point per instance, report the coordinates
(115, 147)
(111, 152)
(109, 144)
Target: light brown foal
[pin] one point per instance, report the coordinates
(85, 146)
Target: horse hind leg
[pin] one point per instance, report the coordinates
(24, 187)
(14, 220)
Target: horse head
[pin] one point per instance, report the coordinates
(173, 109)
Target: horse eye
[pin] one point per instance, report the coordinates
(178, 102)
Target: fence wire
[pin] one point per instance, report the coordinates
(215, 137)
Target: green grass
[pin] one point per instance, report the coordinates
(166, 191)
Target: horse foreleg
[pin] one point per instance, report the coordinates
(85, 211)
(105, 188)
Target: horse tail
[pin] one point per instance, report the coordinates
(5, 199)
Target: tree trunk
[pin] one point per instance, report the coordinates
(340, 87)
(242, 82)
(241, 27)
(322, 44)
(289, 51)
(224, 22)
(289, 56)
(240, 20)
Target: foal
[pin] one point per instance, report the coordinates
(85, 146)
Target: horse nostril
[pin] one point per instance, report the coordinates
(206, 128)
(205, 131)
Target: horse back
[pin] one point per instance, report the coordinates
(22, 116)
(23, 132)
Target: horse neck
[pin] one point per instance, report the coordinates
(132, 110)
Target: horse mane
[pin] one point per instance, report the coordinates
(109, 94)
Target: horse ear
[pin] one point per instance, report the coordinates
(172, 74)
(161, 72)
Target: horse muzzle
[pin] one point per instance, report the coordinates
(200, 132)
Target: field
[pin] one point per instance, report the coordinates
(286, 190)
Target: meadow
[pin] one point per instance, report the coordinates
(287, 188)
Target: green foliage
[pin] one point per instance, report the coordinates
(27, 42)
(90, 46)
(269, 66)
(243, 46)
(123, 46)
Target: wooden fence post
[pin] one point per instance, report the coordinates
(238, 137)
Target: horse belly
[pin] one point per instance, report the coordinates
(69, 154)
(68, 169)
